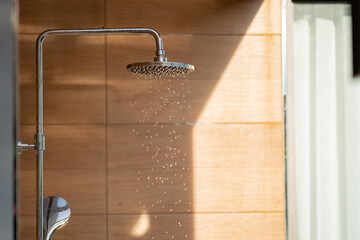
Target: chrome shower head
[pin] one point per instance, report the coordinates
(160, 68)
(56, 215)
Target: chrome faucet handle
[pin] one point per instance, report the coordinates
(23, 146)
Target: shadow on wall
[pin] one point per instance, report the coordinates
(120, 149)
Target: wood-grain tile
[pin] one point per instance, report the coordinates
(195, 190)
(74, 79)
(37, 16)
(89, 227)
(259, 226)
(226, 101)
(214, 57)
(201, 146)
(197, 16)
(84, 190)
(67, 147)
(243, 85)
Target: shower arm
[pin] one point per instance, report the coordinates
(39, 144)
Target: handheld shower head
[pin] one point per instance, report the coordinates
(158, 68)
(56, 215)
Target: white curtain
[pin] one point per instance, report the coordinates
(326, 124)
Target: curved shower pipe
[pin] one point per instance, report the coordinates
(39, 139)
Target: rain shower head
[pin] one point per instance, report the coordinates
(159, 68)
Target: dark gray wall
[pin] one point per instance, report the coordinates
(7, 119)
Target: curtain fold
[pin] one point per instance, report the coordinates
(327, 124)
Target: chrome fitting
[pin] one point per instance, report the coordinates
(160, 56)
(160, 59)
(39, 142)
(22, 146)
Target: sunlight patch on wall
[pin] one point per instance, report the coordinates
(141, 226)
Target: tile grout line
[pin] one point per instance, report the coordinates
(160, 123)
(176, 213)
(148, 169)
(106, 129)
(190, 34)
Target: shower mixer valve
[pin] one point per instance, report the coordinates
(39, 143)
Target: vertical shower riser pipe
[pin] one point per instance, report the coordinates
(39, 136)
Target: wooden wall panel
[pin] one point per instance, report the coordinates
(255, 226)
(67, 147)
(37, 16)
(73, 79)
(205, 146)
(197, 16)
(89, 227)
(227, 179)
(84, 190)
(200, 190)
